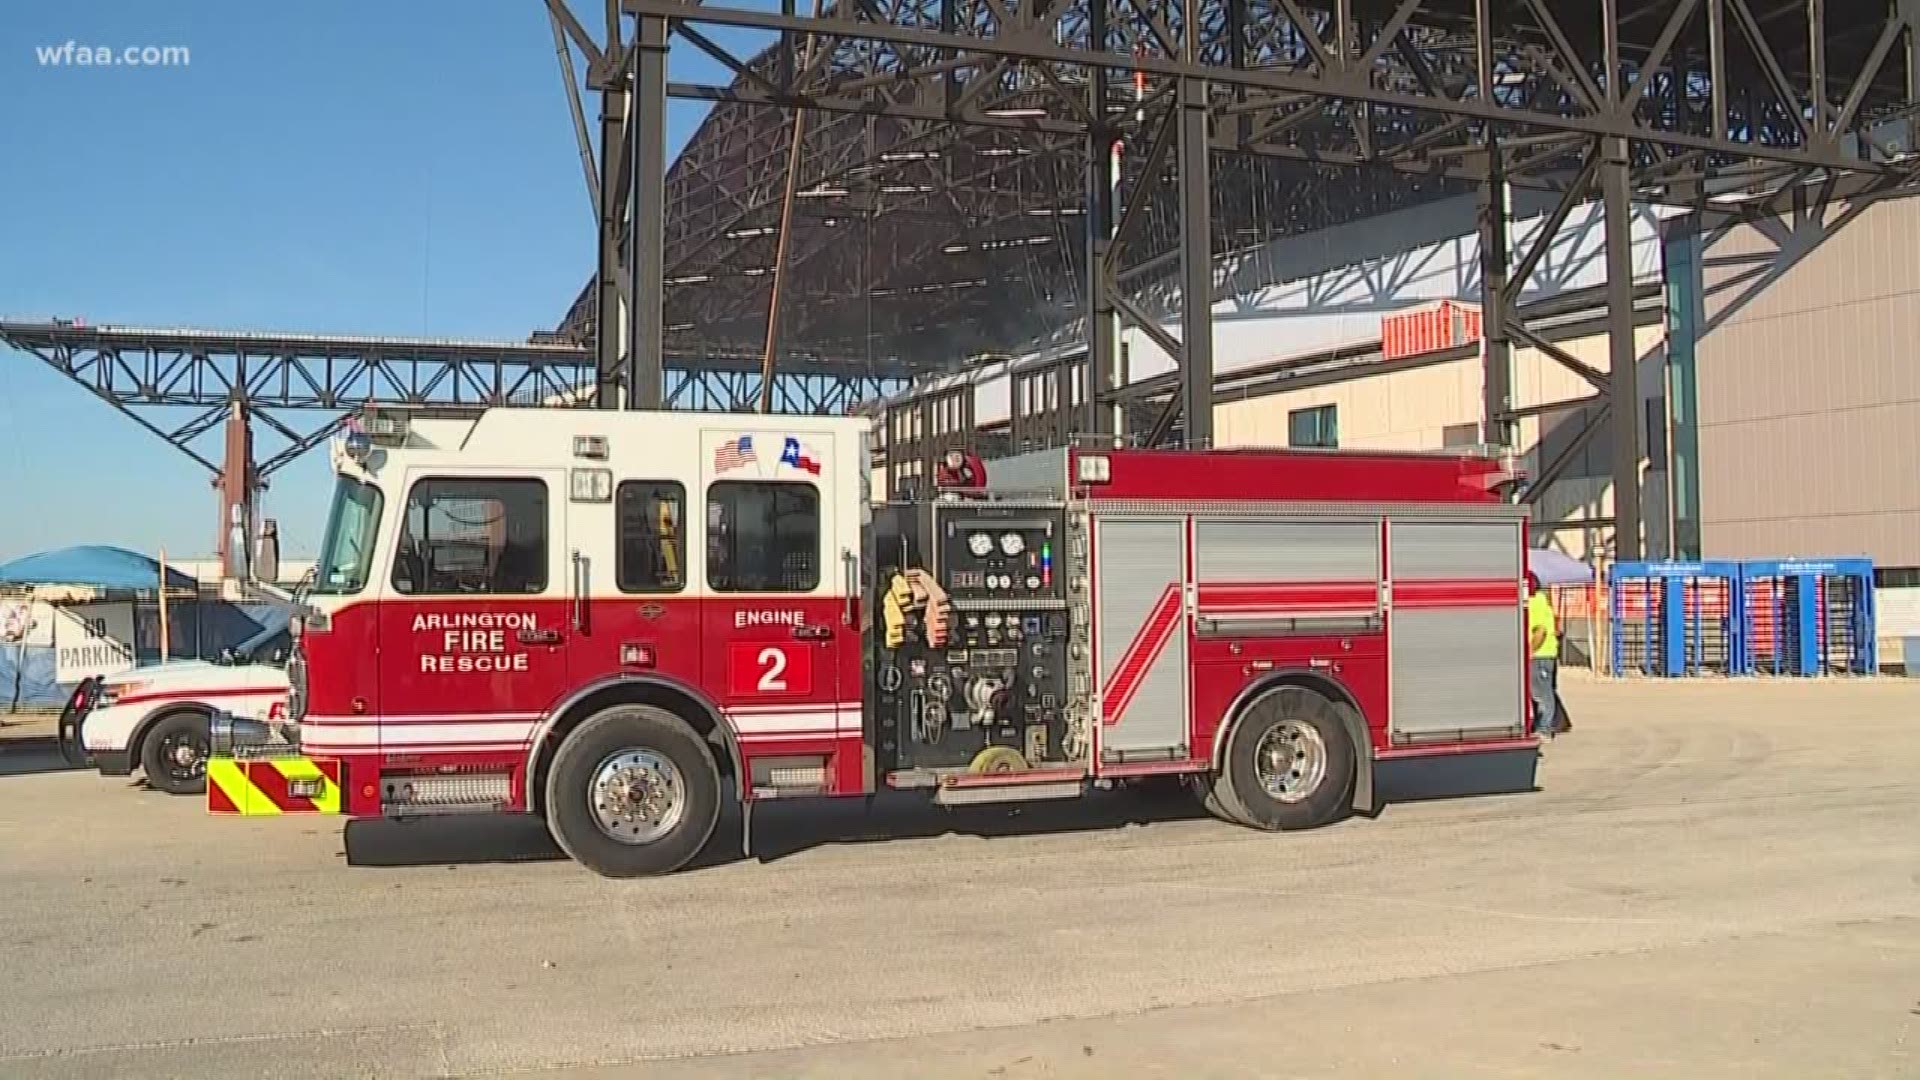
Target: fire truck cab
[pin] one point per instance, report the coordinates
(616, 620)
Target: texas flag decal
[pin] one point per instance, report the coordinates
(800, 457)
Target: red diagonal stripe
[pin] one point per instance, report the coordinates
(217, 800)
(1140, 655)
(1142, 639)
(274, 786)
(1125, 695)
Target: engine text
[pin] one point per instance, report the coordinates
(743, 619)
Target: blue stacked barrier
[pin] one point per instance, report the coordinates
(1807, 617)
(1676, 619)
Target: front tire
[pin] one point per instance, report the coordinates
(632, 792)
(1288, 763)
(174, 754)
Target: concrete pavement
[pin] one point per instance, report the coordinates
(1716, 880)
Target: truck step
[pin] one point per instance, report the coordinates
(984, 788)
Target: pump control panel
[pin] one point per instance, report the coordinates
(983, 685)
(1000, 558)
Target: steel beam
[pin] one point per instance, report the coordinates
(556, 12)
(615, 199)
(237, 483)
(1196, 244)
(1102, 376)
(153, 377)
(1551, 471)
(648, 203)
(1323, 80)
(1496, 355)
(1624, 368)
(1909, 12)
(1599, 380)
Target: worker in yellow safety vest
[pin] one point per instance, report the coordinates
(1543, 652)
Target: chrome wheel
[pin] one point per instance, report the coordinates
(1291, 761)
(638, 796)
(185, 755)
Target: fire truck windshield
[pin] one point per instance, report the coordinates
(347, 549)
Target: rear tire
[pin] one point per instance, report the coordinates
(173, 755)
(632, 792)
(1288, 764)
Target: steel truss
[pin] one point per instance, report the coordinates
(181, 385)
(914, 242)
(1676, 101)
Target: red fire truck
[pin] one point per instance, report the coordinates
(613, 619)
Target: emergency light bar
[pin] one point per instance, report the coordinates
(385, 428)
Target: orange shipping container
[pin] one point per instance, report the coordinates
(1443, 325)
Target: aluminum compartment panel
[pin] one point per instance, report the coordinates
(1281, 551)
(1139, 579)
(1456, 670)
(1448, 550)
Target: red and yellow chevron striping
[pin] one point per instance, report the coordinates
(265, 786)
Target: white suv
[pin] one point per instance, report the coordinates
(155, 718)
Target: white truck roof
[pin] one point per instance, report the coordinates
(535, 431)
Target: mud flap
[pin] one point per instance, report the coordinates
(1363, 801)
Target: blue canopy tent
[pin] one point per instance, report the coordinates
(1554, 568)
(28, 672)
(109, 569)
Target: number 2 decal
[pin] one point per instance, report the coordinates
(775, 665)
(761, 669)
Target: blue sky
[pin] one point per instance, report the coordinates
(357, 166)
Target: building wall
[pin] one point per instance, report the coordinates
(1809, 387)
(1432, 406)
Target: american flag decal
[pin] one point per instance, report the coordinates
(734, 453)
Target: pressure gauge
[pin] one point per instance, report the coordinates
(993, 620)
(1012, 543)
(980, 544)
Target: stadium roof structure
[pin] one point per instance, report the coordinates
(915, 244)
(949, 143)
(941, 191)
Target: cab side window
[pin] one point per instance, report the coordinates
(651, 556)
(473, 536)
(763, 537)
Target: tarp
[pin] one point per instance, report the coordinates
(97, 567)
(30, 668)
(1554, 568)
